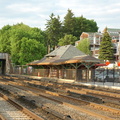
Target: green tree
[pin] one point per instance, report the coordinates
(106, 48)
(53, 30)
(68, 23)
(13, 37)
(22, 33)
(5, 39)
(30, 50)
(84, 25)
(84, 46)
(67, 39)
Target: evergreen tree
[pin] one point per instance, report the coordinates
(68, 23)
(71, 25)
(106, 48)
(53, 30)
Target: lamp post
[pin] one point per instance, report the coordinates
(94, 41)
(118, 48)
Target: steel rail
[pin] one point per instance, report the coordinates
(102, 107)
(2, 118)
(93, 104)
(21, 108)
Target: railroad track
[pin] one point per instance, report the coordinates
(52, 114)
(81, 109)
(87, 91)
(76, 106)
(10, 110)
(109, 98)
(104, 96)
(81, 90)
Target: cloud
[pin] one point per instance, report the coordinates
(24, 8)
(35, 12)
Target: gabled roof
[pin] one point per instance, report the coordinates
(64, 55)
(65, 52)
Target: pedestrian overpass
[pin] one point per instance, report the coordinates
(5, 63)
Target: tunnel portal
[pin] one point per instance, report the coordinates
(4, 63)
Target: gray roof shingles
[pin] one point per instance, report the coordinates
(64, 54)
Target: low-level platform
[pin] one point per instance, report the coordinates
(109, 85)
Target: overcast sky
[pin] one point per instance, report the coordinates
(35, 12)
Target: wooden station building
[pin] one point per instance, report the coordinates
(67, 62)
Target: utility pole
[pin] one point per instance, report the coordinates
(119, 48)
(94, 41)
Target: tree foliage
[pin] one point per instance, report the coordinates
(106, 48)
(5, 39)
(56, 29)
(84, 46)
(30, 50)
(76, 25)
(24, 43)
(68, 23)
(53, 30)
(67, 40)
(84, 25)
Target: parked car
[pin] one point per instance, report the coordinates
(110, 77)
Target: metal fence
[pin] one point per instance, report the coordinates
(103, 76)
(107, 75)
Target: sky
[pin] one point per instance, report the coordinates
(35, 13)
